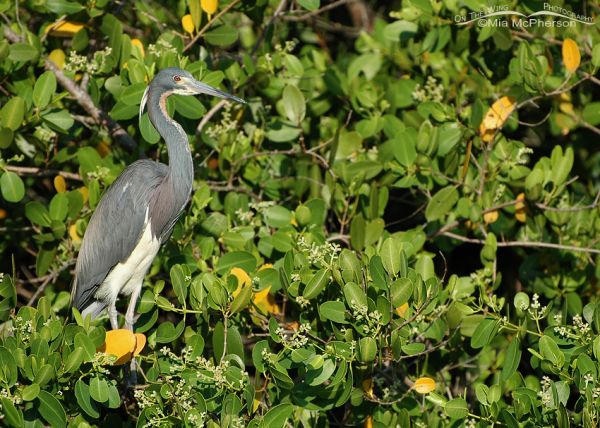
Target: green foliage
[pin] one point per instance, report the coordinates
(365, 221)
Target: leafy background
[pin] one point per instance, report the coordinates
(400, 228)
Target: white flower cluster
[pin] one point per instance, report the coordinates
(227, 123)
(294, 339)
(432, 91)
(161, 47)
(371, 320)
(81, 63)
(545, 393)
(580, 330)
(244, 216)
(324, 255)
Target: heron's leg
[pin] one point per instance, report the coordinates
(112, 314)
(130, 314)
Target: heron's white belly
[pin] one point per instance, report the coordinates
(129, 275)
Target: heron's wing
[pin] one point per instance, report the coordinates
(115, 227)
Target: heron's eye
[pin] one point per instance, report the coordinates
(177, 78)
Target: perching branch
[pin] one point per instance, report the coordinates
(534, 244)
(40, 172)
(85, 101)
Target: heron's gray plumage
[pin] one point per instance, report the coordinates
(116, 227)
(137, 213)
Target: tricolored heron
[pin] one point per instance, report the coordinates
(137, 213)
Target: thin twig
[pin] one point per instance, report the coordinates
(208, 116)
(278, 12)
(531, 244)
(307, 16)
(40, 172)
(49, 278)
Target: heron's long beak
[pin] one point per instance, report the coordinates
(202, 88)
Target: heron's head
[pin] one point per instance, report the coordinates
(174, 80)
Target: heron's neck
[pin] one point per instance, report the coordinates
(181, 168)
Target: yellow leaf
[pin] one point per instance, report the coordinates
(209, 6)
(293, 222)
(60, 184)
(188, 24)
(64, 29)
(490, 217)
(521, 208)
(367, 387)
(424, 385)
(73, 234)
(85, 193)
(3, 214)
(368, 422)
(103, 148)
(571, 56)
(495, 117)
(137, 44)
(265, 266)
(140, 342)
(401, 310)
(242, 278)
(265, 301)
(57, 56)
(121, 343)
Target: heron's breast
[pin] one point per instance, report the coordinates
(129, 274)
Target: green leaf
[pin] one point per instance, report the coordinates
(354, 294)
(390, 255)
(84, 399)
(280, 132)
(12, 416)
(13, 113)
(221, 36)
(294, 104)
(367, 349)
(550, 351)
(441, 203)
(195, 11)
(591, 111)
(37, 213)
(277, 416)
(334, 311)
(512, 359)
(99, 390)
(44, 88)
(484, 333)
(60, 120)
(12, 187)
(122, 111)
(61, 7)
(22, 52)
(59, 207)
(404, 147)
(310, 4)
(316, 284)
(241, 259)
(84, 342)
(30, 392)
(51, 410)
(401, 290)
(456, 408)
(6, 137)
(147, 130)
(278, 216)
(179, 282)
(167, 332)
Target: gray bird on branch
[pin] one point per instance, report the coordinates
(137, 213)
